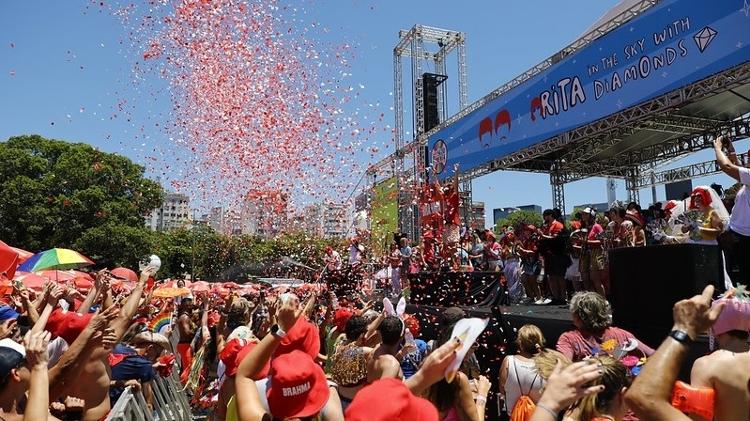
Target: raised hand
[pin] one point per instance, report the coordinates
(566, 385)
(102, 318)
(36, 348)
(288, 312)
(695, 316)
(109, 338)
(56, 293)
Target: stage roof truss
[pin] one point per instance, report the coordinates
(657, 154)
(578, 147)
(687, 172)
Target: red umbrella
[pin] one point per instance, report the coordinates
(8, 260)
(23, 255)
(83, 283)
(230, 285)
(31, 280)
(125, 274)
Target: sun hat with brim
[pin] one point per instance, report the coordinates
(12, 355)
(297, 387)
(390, 399)
(7, 313)
(734, 316)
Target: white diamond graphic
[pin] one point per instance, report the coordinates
(704, 37)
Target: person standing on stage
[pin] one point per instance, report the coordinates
(739, 221)
(394, 259)
(531, 266)
(556, 261)
(332, 259)
(592, 261)
(405, 251)
(491, 252)
(355, 252)
(621, 228)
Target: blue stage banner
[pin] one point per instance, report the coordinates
(671, 45)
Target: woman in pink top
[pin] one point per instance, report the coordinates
(592, 263)
(594, 334)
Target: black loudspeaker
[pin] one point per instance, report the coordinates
(647, 281)
(430, 83)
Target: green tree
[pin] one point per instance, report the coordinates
(519, 218)
(60, 194)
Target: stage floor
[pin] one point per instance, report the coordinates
(557, 312)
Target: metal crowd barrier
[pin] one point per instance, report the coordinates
(170, 403)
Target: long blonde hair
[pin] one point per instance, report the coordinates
(530, 339)
(614, 378)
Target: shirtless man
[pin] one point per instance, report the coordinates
(727, 370)
(93, 383)
(187, 331)
(383, 362)
(650, 395)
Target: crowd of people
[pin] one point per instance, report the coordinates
(308, 354)
(336, 352)
(547, 264)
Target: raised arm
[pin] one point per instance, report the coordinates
(55, 295)
(248, 402)
(120, 324)
(94, 292)
(37, 405)
(650, 395)
(372, 328)
(729, 167)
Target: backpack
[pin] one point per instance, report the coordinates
(524, 407)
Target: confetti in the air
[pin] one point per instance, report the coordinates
(257, 100)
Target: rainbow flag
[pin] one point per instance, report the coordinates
(160, 323)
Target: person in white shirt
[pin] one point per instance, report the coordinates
(739, 220)
(332, 259)
(355, 252)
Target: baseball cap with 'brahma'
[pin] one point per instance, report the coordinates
(297, 388)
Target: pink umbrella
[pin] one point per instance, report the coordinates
(31, 280)
(200, 286)
(219, 289)
(64, 275)
(230, 285)
(125, 274)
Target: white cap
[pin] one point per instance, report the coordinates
(10, 343)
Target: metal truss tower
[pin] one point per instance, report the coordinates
(424, 45)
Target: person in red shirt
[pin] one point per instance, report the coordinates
(556, 260)
(530, 265)
(492, 252)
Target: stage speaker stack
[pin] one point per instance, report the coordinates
(647, 281)
(430, 83)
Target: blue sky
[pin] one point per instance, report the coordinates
(63, 72)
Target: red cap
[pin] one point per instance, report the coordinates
(303, 336)
(342, 315)
(298, 387)
(67, 325)
(235, 351)
(389, 399)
